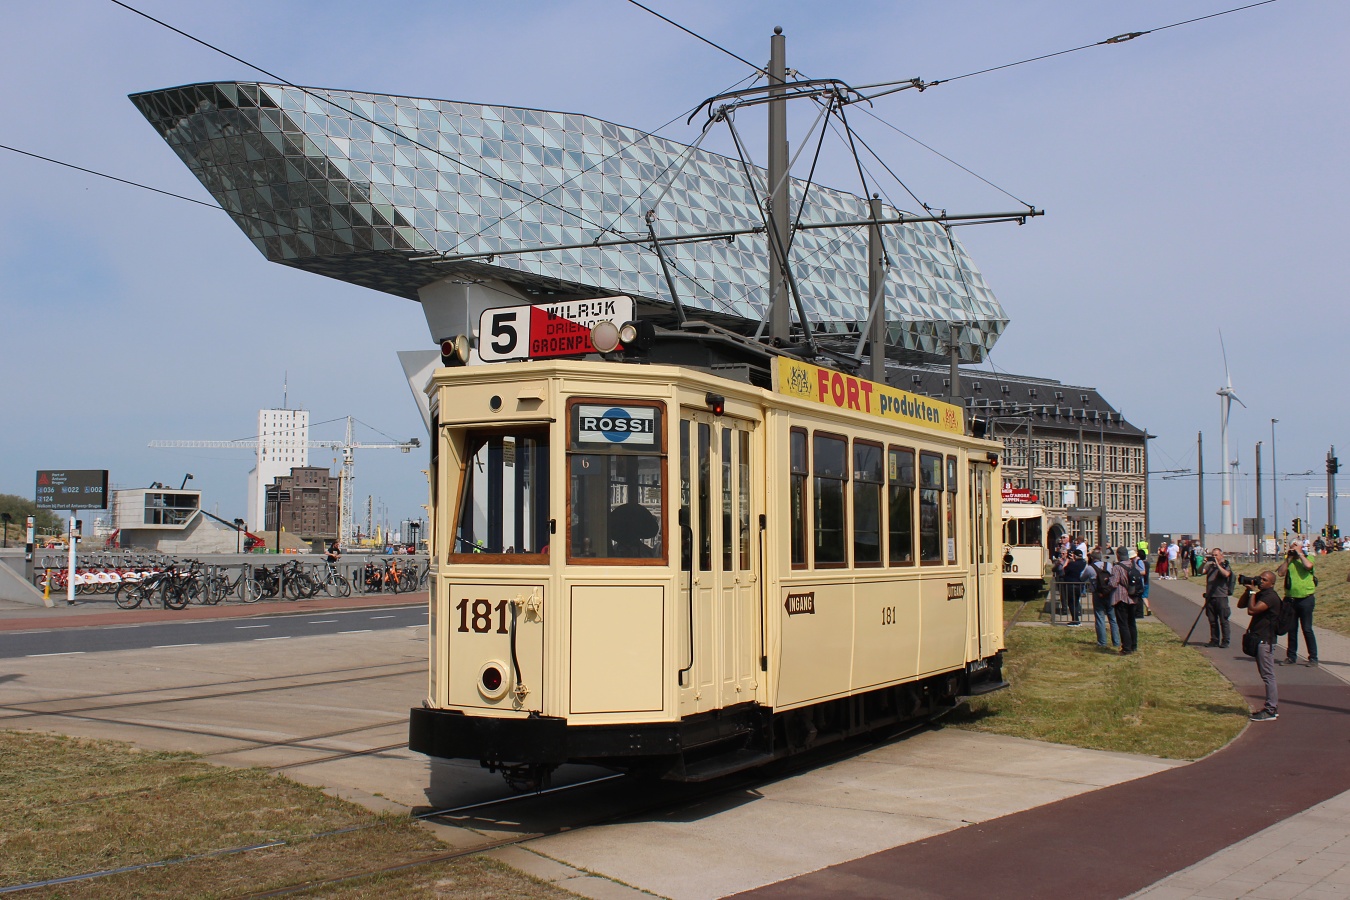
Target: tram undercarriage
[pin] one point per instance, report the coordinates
(697, 748)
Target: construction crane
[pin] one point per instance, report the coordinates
(346, 527)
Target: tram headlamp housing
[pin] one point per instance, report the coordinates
(717, 403)
(605, 336)
(638, 334)
(492, 680)
(455, 350)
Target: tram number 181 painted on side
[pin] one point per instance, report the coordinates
(478, 618)
(888, 615)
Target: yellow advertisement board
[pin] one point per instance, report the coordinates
(841, 391)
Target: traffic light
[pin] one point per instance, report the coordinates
(1336, 532)
(1298, 526)
(1333, 465)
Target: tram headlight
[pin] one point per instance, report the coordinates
(492, 681)
(628, 332)
(605, 336)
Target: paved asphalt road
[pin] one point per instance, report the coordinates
(44, 642)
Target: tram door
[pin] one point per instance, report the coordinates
(986, 558)
(719, 556)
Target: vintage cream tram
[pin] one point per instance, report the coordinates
(698, 557)
(1025, 556)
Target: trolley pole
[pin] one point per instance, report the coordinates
(779, 325)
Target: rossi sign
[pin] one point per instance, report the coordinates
(830, 388)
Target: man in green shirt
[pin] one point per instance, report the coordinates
(1300, 586)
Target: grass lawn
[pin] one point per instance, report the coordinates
(1165, 700)
(1333, 591)
(70, 806)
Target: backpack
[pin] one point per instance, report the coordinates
(1286, 617)
(1136, 585)
(1102, 586)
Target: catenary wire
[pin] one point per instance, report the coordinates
(700, 37)
(274, 223)
(1117, 39)
(393, 131)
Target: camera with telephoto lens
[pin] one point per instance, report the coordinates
(1249, 580)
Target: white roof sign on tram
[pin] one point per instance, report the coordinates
(544, 330)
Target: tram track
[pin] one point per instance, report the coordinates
(459, 816)
(25, 710)
(687, 796)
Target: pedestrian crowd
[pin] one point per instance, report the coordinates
(1117, 583)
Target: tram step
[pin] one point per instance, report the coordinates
(987, 687)
(726, 764)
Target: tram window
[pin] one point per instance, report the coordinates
(797, 492)
(704, 534)
(728, 510)
(867, 481)
(686, 540)
(831, 471)
(930, 507)
(743, 499)
(951, 509)
(616, 481)
(504, 505)
(616, 506)
(900, 510)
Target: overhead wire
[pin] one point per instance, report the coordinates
(1117, 39)
(274, 223)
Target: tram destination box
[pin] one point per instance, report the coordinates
(72, 489)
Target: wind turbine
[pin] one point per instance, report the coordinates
(1226, 398)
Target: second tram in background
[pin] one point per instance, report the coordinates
(1026, 557)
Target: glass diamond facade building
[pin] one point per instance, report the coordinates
(368, 188)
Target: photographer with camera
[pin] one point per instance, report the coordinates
(1300, 586)
(1263, 605)
(1218, 588)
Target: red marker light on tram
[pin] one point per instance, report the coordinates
(717, 403)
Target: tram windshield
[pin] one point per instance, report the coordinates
(615, 482)
(504, 505)
(1022, 532)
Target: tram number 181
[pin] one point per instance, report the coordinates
(888, 615)
(478, 618)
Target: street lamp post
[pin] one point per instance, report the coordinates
(6, 518)
(1274, 489)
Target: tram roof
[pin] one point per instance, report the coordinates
(367, 188)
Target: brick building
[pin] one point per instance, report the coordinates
(312, 513)
(1064, 442)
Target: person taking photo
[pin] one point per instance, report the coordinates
(1300, 586)
(1263, 605)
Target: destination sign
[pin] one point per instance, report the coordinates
(547, 330)
(1019, 495)
(632, 426)
(841, 391)
(72, 489)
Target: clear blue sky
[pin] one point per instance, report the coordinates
(1193, 178)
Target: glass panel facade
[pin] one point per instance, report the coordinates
(363, 187)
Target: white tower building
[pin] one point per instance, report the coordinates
(283, 442)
